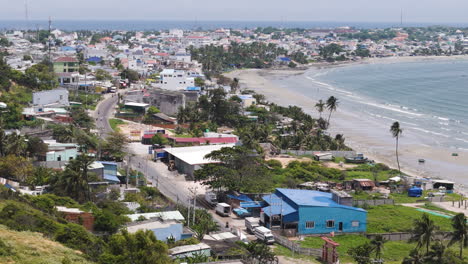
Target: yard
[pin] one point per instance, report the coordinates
(394, 251)
(398, 218)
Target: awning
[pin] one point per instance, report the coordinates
(367, 184)
(111, 178)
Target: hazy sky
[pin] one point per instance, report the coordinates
(433, 11)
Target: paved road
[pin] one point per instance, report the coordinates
(103, 113)
(170, 184)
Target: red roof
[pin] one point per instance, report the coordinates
(66, 59)
(211, 140)
(162, 54)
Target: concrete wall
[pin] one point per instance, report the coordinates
(344, 154)
(63, 155)
(373, 202)
(320, 215)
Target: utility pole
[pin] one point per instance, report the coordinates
(128, 171)
(194, 202)
(401, 17)
(188, 213)
(49, 38)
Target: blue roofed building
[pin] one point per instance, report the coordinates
(312, 212)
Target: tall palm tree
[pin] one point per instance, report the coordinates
(423, 232)
(396, 131)
(320, 106)
(16, 144)
(460, 233)
(332, 104)
(378, 245)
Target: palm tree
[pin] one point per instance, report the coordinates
(460, 233)
(378, 245)
(339, 139)
(16, 144)
(320, 106)
(396, 132)
(332, 104)
(423, 232)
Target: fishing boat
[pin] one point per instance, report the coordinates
(358, 159)
(421, 160)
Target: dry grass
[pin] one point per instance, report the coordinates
(33, 248)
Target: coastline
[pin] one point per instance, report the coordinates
(439, 162)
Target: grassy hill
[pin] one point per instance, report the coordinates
(34, 248)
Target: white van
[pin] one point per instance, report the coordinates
(251, 223)
(223, 209)
(264, 234)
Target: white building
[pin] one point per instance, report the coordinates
(175, 80)
(56, 97)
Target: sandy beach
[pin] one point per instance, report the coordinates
(381, 146)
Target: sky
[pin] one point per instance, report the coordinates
(432, 11)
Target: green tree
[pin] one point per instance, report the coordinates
(158, 139)
(377, 246)
(423, 232)
(102, 75)
(141, 247)
(332, 104)
(396, 132)
(131, 75)
(362, 253)
(460, 233)
(115, 145)
(320, 106)
(199, 82)
(258, 252)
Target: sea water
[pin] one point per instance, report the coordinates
(428, 98)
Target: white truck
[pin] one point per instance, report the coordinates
(251, 223)
(223, 209)
(264, 234)
(210, 197)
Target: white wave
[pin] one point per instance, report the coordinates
(430, 132)
(462, 139)
(442, 118)
(446, 129)
(386, 107)
(444, 124)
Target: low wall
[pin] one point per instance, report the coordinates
(400, 236)
(339, 154)
(373, 202)
(296, 248)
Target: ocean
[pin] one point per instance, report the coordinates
(428, 98)
(71, 25)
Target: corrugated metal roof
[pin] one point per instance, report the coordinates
(312, 198)
(277, 206)
(196, 155)
(169, 215)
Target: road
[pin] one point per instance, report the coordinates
(170, 184)
(103, 113)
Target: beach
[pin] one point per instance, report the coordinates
(363, 133)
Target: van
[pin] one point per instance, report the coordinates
(264, 234)
(223, 209)
(210, 197)
(251, 223)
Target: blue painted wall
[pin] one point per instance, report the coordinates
(320, 215)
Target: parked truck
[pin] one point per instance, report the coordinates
(223, 209)
(264, 234)
(210, 197)
(251, 223)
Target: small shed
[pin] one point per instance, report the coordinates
(363, 184)
(448, 185)
(323, 156)
(182, 252)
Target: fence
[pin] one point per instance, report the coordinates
(339, 154)
(407, 236)
(373, 202)
(296, 248)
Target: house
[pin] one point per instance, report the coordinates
(203, 141)
(189, 159)
(162, 229)
(106, 171)
(247, 100)
(363, 184)
(175, 80)
(137, 107)
(59, 151)
(77, 216)
(66, 64)
(182, 252)
(57, 97)
(311, 212)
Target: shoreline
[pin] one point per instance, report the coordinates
(357, 138)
